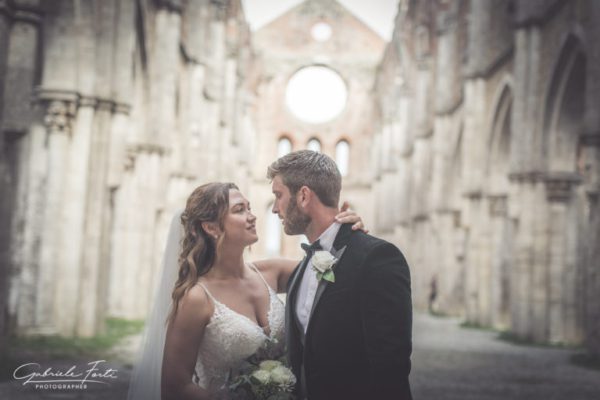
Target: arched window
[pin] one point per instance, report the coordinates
(314, 144)
(284, 146)
(273, 242)
(342, 156)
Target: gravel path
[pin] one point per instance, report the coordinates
(449, 363)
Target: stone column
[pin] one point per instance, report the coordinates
(94, 259)
(18, 64)
(470, 213)
(68, 273)
(527, 199)
(164, 67)
(590, 142)
(562, 266)
(215, 85)
(501, 260)
(136, 203)
(6, 13)
(4, 183)
(28, 218)
(61, 108)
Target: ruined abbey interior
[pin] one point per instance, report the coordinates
(471, 140)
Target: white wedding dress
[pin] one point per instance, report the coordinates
(230, 338)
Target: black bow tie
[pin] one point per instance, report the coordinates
(310, 249)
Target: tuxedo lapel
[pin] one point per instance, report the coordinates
(296, 278)
(323, 283)
(343, 236)
(339, 247)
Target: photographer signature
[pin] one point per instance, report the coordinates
(93, 374)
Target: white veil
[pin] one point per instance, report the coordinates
(146, 377)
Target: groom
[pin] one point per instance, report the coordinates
(348, 327)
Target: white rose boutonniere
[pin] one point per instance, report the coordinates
(322, 263)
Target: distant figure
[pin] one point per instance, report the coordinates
(432, 293)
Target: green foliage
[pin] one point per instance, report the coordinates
(518, 340)
(474, 325)
(62, 347)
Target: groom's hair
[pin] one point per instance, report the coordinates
(312, 169)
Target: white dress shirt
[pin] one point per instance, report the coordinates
(309, 282)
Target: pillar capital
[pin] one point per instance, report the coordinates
(169, 5)
(60, 107)
(559, 185)
(526, 176)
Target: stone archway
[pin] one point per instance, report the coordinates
(564, 108)
(500, 225)
(563, 118)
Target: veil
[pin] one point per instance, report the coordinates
(146, 377)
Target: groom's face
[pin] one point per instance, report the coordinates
(294, 220)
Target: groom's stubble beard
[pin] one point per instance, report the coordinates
(296, 221)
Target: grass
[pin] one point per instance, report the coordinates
(520, 341)
(479, 327)
(438, 314)
(40, 348)
(57, 346)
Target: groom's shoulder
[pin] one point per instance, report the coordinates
(370, 243)
(368, 240)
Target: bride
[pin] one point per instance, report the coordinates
(217, 310)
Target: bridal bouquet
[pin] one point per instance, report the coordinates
(269, 380)
(262, 379)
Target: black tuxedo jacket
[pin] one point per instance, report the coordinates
(358, 341)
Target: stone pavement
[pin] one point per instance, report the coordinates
(454, 363)
(449, 363)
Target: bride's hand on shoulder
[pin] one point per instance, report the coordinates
(347, 216)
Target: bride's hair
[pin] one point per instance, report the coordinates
(207, 203)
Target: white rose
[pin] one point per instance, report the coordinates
(283, 376)
(323, 261)
(269, 365)
(262, 376)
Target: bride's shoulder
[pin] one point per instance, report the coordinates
(196, 300)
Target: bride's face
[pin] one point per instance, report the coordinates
(239, 223)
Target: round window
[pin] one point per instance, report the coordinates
(321, 32)
(316, 94)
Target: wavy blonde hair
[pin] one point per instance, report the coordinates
(207, 203)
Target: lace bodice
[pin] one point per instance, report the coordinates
(230, 338)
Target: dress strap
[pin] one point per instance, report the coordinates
(215, 301)
(261, 276)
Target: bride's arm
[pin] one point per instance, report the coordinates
(277, 271)
(184, 334)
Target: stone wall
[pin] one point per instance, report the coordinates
(501, 194)
(107, 125)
